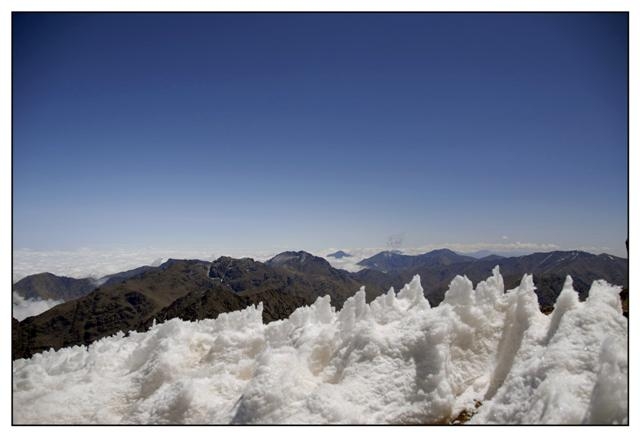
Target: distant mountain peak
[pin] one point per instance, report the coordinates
(49, 286)
(443, 251)
(392, 261)
(300, 261)
(339, 254)
(291, 256)
(491, 257)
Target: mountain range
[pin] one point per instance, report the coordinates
(194, 289)
(437, 268)
(339, 254)
(390, 261)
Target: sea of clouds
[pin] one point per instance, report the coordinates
(83, 263)
(95, 263)
(23, 308)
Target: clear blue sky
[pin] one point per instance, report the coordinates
(319, 130)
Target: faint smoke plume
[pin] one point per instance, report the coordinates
(395, 241)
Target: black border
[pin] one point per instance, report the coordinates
(14, 13)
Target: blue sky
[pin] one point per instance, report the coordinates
(257, 131)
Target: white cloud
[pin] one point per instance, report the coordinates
(95, 263)
(23, 308)
(595, 249)
(156, 262)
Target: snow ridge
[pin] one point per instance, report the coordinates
(395, 360)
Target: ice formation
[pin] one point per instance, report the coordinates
(395, 360)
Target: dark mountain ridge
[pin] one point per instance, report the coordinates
(49, 286)
(123, 276)
(193, 289)
(339, 254)
(189, 289)
(549, 270)
(111, 308)
(388, 261)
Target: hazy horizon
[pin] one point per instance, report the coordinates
(294, 131)
(86, 262)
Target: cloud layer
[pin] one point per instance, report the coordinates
(23, 308)
(95, 263)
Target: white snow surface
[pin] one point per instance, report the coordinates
(395, 360)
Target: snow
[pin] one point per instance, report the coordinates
(572, 371)
(395, 360)
(546, 258)
(23, 308)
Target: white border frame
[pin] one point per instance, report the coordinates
(8, 6)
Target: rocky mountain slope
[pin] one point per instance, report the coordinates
(122, 306)
(389, 261)
(194, 290)
(439, 267)
(47, 286)
(191, 290)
